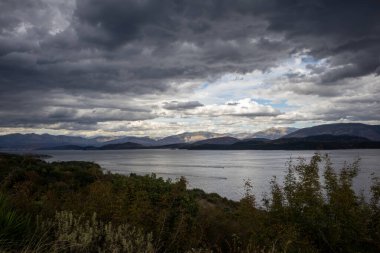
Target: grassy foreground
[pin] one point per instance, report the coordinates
(75, 207)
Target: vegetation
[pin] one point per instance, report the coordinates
(75, 207)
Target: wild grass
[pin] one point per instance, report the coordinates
(14, 227)
(70, 233)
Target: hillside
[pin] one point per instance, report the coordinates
(226, 140)
(371, 132)
(37, 141)
(68, 207)
(146, 141)
(126, 145)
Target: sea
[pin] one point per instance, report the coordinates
(223, 172)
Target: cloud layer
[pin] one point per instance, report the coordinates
(92, 66)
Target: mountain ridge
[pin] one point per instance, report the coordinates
(318, 142)
(272, 133)
(46, 141)
(371, 132)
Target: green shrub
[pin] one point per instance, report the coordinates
(328, 217)
(314, 209)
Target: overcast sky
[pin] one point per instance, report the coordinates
(160, 67)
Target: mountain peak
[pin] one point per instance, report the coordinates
(272, 133)
(189, 137)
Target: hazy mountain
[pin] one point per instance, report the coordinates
(317, 142)
(272, 133)
(226, 140)
(188, 137)
(146, 141)
(103, 139)
(45, 141)
(36, 141)
(371, 132)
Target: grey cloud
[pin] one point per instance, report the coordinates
(63, 115)
(346, 32)
(111, 23)
(178, 106)
(116, 62)
(90, 48)
(352, 112)
(59, 109)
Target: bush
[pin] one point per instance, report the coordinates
(81, 209)
(327, 217)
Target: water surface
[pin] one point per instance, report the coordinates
(220, 171)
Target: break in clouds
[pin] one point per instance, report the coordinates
(157, 67)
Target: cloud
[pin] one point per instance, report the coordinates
(60, 109)
(344, 32)
(73, 64)
(243, 108)
(175, 105)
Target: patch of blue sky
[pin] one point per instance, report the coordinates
(204, 86)
(280, 105)
(308, 59)
(303, 124)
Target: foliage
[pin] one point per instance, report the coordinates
(323, 218)
(82, 209)
(13, 226)
(70, 233)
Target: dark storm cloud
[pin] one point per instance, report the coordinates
(57, 109)
(348, 32)
(178, 106)
(52, 115)
(89, 48)
(111, 23)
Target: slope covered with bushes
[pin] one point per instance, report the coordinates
(75, 207)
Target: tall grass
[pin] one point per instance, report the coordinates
(71, 233)
(14, 227)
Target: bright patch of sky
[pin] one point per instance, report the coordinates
(233, 94)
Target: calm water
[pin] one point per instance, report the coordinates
(222, 172)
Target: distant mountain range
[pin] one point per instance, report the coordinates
(322, 136)
(226, 140)
(272, 133)
(46, 141)
(146, 141)
(318, 142)
(36, 141)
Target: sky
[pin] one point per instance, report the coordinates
(161, 67)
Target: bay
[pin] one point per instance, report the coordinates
(223, 172)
